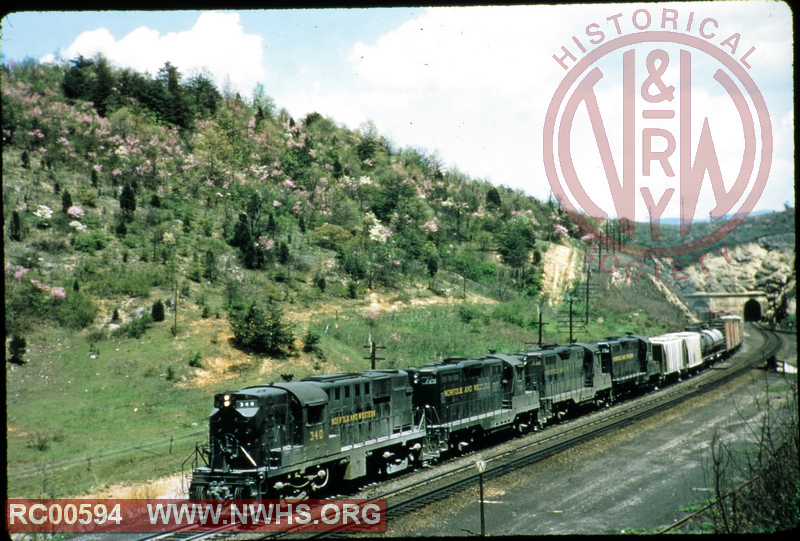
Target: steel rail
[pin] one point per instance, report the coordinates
(466, 476)
(442, 485)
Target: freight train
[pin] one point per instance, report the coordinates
(294, 439)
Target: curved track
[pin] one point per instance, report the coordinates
(539, 447)
(442, 482)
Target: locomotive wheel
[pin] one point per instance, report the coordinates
(197, 492)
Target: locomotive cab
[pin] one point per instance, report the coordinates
(244, 425)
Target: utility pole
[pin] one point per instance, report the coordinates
(175, 325)
(540, 324)
(571, 339)
(588, 275)
(373, 353)
(539, 311)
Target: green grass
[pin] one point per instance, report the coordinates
(78, 422)
(75, 419)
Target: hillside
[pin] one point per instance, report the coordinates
(165, 242)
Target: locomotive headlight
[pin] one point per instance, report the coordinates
(227, 400)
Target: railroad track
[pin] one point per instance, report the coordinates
(533, 448)
(438, 487)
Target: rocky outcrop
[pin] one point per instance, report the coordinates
(767, 265)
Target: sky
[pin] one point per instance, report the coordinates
(474, 84)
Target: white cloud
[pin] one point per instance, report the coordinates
(217, 42)
(481, 80)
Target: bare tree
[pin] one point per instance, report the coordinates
(756, 482)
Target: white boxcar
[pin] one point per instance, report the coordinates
(668, 351)
(694, 351)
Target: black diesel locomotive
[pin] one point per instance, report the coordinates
(293, 439)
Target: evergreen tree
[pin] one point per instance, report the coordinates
(241, 233)
(283, 253)
(16, 349)
(15, 229)
(203, 95)
(77, 83)
(210, 271)
(493, 200)
(262, 331)
(515, 242)
(127, 202)
(66, 201)
(158, 311)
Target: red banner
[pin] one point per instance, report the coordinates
(153, 515)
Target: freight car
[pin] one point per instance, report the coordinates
(293, 439)
(732, 330)
(692, 350)
(712, 343)
(668, 353)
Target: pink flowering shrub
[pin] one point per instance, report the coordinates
(76, 212)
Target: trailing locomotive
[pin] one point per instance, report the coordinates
(460, 401)
(293, 439)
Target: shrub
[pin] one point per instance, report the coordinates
(16, 349)
(196, 360)
(262, 331)
(332, 237)
(77, 311)
(352, 290)
(514, 313)
(51, 245)
(135, 328)
(311, 343)
(158, 311)
(90, 242)
(132, 283)
(194, 273)
(469, 312)
(353, 264)
(469, 264)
